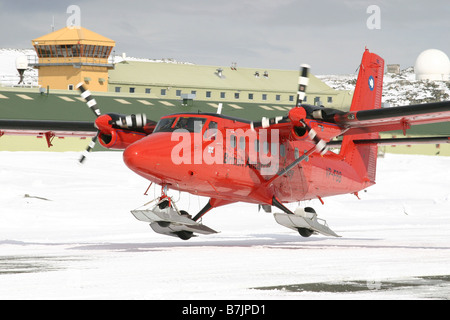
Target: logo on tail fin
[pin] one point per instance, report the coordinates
(371, 83)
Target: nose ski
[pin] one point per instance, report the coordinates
(165, 218)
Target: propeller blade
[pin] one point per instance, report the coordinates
(321, 145)
(303, 81)
(90, 101)
(89, 147)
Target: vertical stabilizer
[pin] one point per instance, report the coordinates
(367, 96)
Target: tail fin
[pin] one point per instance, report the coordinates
(367, 96)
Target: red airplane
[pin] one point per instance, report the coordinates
(271, 162)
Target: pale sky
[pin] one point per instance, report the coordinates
(329, 35)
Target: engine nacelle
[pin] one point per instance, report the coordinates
(119, 131)
(119, 139)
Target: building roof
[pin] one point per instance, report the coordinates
(73, 35)
(208, 77)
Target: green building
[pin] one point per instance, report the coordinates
(220, 84)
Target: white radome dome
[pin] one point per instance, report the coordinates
(432, 64)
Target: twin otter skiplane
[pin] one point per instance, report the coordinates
(269, 163)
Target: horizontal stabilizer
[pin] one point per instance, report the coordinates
(396, 141)
(395, 118)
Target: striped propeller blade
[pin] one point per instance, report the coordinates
(303, 81)
(90, 101)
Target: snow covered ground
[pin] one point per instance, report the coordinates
(66, 233)
(398, 89)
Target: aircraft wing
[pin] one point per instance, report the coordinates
(41, 127)
(396, 118)
(48, 129)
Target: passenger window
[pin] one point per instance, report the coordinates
(233, 141)
(282, 150)
(242, 143)
(211, 133)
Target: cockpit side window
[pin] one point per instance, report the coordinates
(191, 124)
(165, 125)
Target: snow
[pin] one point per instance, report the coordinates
(9, 76)
(66, 233)
(398, 89)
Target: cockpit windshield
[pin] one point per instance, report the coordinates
(191, 124)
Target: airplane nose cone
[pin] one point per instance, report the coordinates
(131, 156)
(146, 157)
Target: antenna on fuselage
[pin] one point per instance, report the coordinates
(219, 108)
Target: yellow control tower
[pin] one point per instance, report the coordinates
(72, 55)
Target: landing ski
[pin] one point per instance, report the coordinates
(169, 221)
(294, 222)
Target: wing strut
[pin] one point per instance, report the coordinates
(292, 165)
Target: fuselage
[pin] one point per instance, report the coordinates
(226, 158)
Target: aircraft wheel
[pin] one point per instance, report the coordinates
(164, 204)
(185, 214)
(163, 224)
(305, 232)
(184, 235)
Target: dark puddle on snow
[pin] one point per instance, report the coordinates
(31, 264)
(440, 285)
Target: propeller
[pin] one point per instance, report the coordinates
(297, 114)
(104, 123)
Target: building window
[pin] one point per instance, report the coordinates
(236, 95)
(264, 97)
(117, 89)
(291, 98)
(163, 92)
(222, 95)
(330, 100)
(250, 96)
(278, 97)
(70, 87)
(148, 90)
(208, 94)
(132, 90)
(178, 93)
(194, 92)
